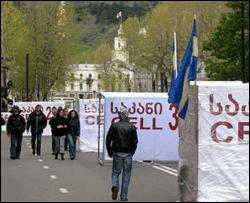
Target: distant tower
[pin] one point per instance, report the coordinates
(119, 52)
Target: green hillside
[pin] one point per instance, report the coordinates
(98, 18)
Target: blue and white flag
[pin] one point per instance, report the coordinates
(175, 66)
(179, 90)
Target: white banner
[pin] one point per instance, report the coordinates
(155, 120)
(28, 107)
(89, 121)
(223, 162)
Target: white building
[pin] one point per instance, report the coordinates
(85, 79)
(84, 83)
(119, 53)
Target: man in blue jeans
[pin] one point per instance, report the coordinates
(121, 143)
(38, 121)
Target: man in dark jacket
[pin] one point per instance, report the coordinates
(121, 143)
(15, 128)
(38, 121)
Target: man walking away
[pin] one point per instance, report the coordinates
(121, 143)
(15, 128)
(38, 121)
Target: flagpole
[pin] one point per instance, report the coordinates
(195, 83)
(175, 54)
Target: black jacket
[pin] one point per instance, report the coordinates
(37, 122)
(59, 121)
(73, 126)
(16, 124)
(52, 125)
(122, 137)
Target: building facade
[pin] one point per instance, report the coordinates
(86, 79)
(84, 82)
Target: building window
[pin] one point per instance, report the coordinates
(72, 86)
(81, 96)
(72, 95)
(72, 75)
(80, 86)
(81, 76)
(89, 96)
(99, 76)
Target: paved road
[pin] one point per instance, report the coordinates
(44, 179)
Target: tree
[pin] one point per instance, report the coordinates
(102, 57)
(13, 32)
(224, 46)
(153, 50)
(52, 40)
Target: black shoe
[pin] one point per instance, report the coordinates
(33, 152)
(56, 157)
(13, 158)
(114, 193)
(72, 158)
(62, 156)
(17, 157)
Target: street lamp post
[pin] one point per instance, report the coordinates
(27, 77)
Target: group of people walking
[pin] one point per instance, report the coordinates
(63, 127)
(121, 140)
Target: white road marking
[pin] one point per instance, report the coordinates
(40, 160)
(63, 190)
(53, 177)
(161, 168)
(164, 170)
(46, 167)
(168, 168)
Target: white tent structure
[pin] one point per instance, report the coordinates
(214, 143)
(153, 118)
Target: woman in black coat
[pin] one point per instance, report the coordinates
(15, 128)
(73, 132)
(60, 131)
